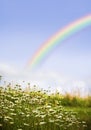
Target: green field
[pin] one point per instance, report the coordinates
(38, 110)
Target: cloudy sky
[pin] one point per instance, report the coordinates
(26, 25)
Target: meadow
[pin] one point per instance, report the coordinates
(38, 110)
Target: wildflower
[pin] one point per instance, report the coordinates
(1, 125)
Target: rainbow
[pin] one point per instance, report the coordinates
(57, 39)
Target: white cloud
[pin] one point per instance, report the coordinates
(7, 69)
(45, 79)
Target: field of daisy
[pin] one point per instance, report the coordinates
(38, 110)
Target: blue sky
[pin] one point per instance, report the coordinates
(25, 25)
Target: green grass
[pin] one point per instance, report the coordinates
(37, 110)
(84, 114)
(75, 101)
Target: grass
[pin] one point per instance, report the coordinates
(75, 101)
(84, 114)
(37, 110)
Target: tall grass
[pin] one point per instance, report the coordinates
(35, 110)
(74, 101)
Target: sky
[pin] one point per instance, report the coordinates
(26, 25)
